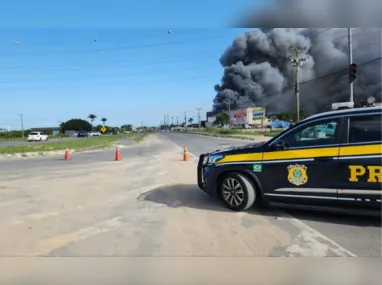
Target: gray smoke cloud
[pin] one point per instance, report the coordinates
(258, 71)
(313, 14)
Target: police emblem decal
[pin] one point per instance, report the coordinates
(297, 174)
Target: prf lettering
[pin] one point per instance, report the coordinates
(374, 173)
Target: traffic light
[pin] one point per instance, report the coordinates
(352, 72)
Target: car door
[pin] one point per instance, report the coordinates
(301, 164)
(360, 157)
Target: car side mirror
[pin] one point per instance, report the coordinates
(279, 145)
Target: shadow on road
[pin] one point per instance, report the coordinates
(191, 196)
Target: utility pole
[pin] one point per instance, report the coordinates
(22, 125)
(198, 109)
(350, 61)
(297, 61)
(59, 128)
(172, 120)
(168, 120)
(177, 121)
(185, 118)
(164, 121)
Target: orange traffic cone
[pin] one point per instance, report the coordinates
(117, 154)
(67, 155)
(185, 155)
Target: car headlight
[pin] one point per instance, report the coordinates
(214, 158)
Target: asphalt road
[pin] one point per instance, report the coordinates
(359, 235)
(79, 159)
(148, 204)
(25, 142)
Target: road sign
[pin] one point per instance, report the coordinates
(103, 129)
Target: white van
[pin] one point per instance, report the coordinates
(37, 136)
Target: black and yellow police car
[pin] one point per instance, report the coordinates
(331, 159)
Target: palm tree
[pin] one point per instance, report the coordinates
(92, 117)
(103, 120)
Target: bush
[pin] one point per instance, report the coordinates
(228, 132)
(14, 134)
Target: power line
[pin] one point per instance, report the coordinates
(132, 47)
(129, 62)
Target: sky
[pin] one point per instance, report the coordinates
(66, 59)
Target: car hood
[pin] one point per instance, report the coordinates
(253, 147)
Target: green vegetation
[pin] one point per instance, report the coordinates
(13, 135)
(76, 125)
(221, 119)
(76, 144)
(139, 137)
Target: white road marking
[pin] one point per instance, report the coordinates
(312, 237)
(309, 241)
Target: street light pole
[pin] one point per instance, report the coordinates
(22, 125)
(350, 61)
(198, 109)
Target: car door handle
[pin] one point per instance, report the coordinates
(324, 158)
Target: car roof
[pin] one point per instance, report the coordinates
(344, 112)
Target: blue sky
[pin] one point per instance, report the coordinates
(135, 72)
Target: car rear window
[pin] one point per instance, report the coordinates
(33, 134)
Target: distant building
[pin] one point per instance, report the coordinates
(48, 130)
(210, 118)
(251, 116)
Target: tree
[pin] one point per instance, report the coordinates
(190, 120)
(103, 120)
(98, 127)
(222, 119)
(76, 125)
(127, 128)
(92, 117)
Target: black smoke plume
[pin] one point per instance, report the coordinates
(258, 71)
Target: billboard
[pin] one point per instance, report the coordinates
(239, 116)
(258, 113)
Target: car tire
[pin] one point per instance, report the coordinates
(242, 188)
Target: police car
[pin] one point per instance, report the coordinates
(308, 164)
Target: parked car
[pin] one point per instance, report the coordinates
(37, 136)
(94, 134)
(82, 135)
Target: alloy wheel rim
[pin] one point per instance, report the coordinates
(233, 192)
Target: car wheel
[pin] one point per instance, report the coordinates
(237, 191)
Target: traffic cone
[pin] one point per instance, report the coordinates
(67, 155)
(117, 154)
(185, 155)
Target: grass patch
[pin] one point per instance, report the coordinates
(138, 138)
(75, 144)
